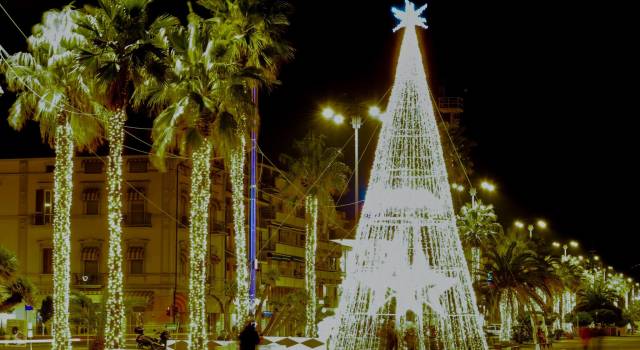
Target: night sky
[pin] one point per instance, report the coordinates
(548, 92)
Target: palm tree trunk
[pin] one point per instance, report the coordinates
(311, 207)
(62, 197)
(242, 270)
(475, 262)
(115, 319)
(198, 233)
(507, 316)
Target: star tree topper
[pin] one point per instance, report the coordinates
(410, 17)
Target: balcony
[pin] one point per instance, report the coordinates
(137, 220)
(88, 280)
(217, 227)
(451, 104)
(41, 219)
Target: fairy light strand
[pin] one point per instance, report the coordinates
(236, 173)
(311, 207)
(198, 234)
(115, 320)
(62, 198)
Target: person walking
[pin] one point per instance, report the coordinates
(249, 337)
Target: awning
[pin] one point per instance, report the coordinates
(282, 257)
(90, 253)
(135, 253)
(136, 194)
(91, 194)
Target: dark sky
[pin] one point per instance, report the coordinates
(549, 95)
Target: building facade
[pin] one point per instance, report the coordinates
(155, 240)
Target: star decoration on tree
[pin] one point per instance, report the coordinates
(410, 17)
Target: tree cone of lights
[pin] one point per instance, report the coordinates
(407, 270)
(115, 325)
(62, 193)
(198, 234)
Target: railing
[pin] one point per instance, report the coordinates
(88, 279)
(137, 220)
(450, 103)
(41, 219)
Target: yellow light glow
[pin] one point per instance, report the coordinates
(328, 113)
(580, 257)
(610, 267)
(115, 320)
(198, 235)
(487, 186)
(338, 119)
(374, 111)
(556, 244)
(574, 244)
(596, 258)
(62, 197)
(542, 224)
(519, 224)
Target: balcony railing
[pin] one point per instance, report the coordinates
(137, 220)
(41, 219)
(88, 279)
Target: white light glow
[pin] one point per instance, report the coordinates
(328, 113)
(338, 119)
(407, 265)
(198, 235)
(62, 198)
(236, 171)
(115, 320)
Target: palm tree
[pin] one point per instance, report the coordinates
(8, 264)
(520, 280)
(317, 174)
(252, 31)
(199, 104)
(50, 92)
(569, 273)
(477, 223)
(119, 55)
(17, 291)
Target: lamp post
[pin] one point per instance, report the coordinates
(473, 192)
(540, 223)
(565, 246)
(356, 122)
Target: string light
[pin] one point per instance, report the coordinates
(508, 309)
(407, 254)
(62, 198)
(198, 234)
(115, 320)
(236, 173)
(311, 206)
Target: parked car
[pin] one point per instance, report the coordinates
(493, 330)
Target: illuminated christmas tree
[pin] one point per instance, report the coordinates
(407, 272)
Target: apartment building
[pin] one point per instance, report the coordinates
(155, 237)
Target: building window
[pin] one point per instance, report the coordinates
(92, 166)
(137, 215)
(90, 264)
(47, 261)
(44, 207)
(184, 209)
(91, 198)
(49, 168)
(138, 166)
(135, 258)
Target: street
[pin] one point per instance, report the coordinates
(606, 343)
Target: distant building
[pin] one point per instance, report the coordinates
(155, 238)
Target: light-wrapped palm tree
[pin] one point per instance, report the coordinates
(119, 56)
(318, 174)
(50, 92)
(477, 222)
(252, 31)
(520, 280)
(201, 103)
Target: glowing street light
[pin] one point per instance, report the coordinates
(542, 224)
(519, 224)
(485, 185)
(356, 122)
(565, 246)
(457, 187)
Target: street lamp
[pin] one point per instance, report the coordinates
(540, 223)
(565, 246)
(356, 122)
